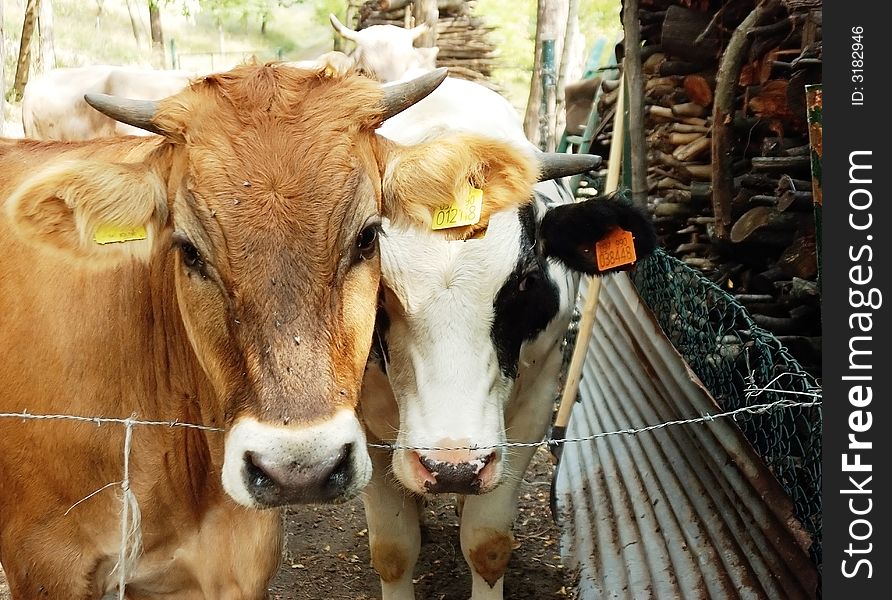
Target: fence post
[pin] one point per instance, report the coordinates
(547, 104)
(174, 59)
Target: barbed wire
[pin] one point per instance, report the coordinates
(131, 542)
(752, 409)
(105, 420)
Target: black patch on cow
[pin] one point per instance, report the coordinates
(569, 232)
(526, 302)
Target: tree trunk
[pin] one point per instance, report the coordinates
(426, 11)
(549, 26)
(135, 25)
(157, 34)
(47, 53)
(569, 32)
(635, 85)
(23, 64)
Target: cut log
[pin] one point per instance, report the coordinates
(800, 258)
(698, 90)
(680, 27)
(692, 150)
(686, 128)
(672, 209)
(756, 181)
(797, 201)
(767, 220)
(688, 109)
(678, 139)
(701, 192)
(659, 111)
(782, 164)
(701, 172)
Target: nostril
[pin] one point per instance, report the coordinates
(257, 476)
(339, 476)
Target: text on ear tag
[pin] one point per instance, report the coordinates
(110, 233)
(615, 249)
(465, 210)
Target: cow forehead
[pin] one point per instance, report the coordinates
(426, 272)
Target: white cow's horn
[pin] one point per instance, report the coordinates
(138, 113)
(553, 165)
(400, 96)
(342, 29)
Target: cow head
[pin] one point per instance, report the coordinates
(257, 214)
(466, 328)
(386, 52)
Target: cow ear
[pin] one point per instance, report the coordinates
(571, 234)
(422, 179)
(91, 210)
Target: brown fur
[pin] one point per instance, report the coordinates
(270, 173)
(490, 558)
(389, 561)
(433, 173)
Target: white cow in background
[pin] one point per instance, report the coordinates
(386, 52)
(53, 106)
(467, 352)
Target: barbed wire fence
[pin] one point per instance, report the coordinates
(131, 546)
(729, 352)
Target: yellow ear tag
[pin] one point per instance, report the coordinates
(464, 211)
(615, 249)
(110, 233)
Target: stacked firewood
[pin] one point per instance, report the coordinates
(463, 38)
(760, 244)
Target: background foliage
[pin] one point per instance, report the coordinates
(99, 32)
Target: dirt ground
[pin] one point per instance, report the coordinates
(327, 554)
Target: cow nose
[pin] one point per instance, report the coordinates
(467, 477)
(273, 483)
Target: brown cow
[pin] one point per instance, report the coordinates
(238, 290)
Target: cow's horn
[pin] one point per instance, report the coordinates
(553, 165)
(400, 96)
(138, 113)
(342, 29)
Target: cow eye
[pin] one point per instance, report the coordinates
(191, 256)
(367, 242)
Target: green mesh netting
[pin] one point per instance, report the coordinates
(734, 357)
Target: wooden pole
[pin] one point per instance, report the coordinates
(635, 83)
(590, 308)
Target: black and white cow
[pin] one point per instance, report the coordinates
(468, 349)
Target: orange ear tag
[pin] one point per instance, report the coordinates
(464, 211)
(615, 249)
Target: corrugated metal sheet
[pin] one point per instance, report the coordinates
(688, 511)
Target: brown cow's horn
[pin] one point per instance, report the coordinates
(400, 96)
(138, 113)
(553, 165)
(342, 29)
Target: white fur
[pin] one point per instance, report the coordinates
(442, 363)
